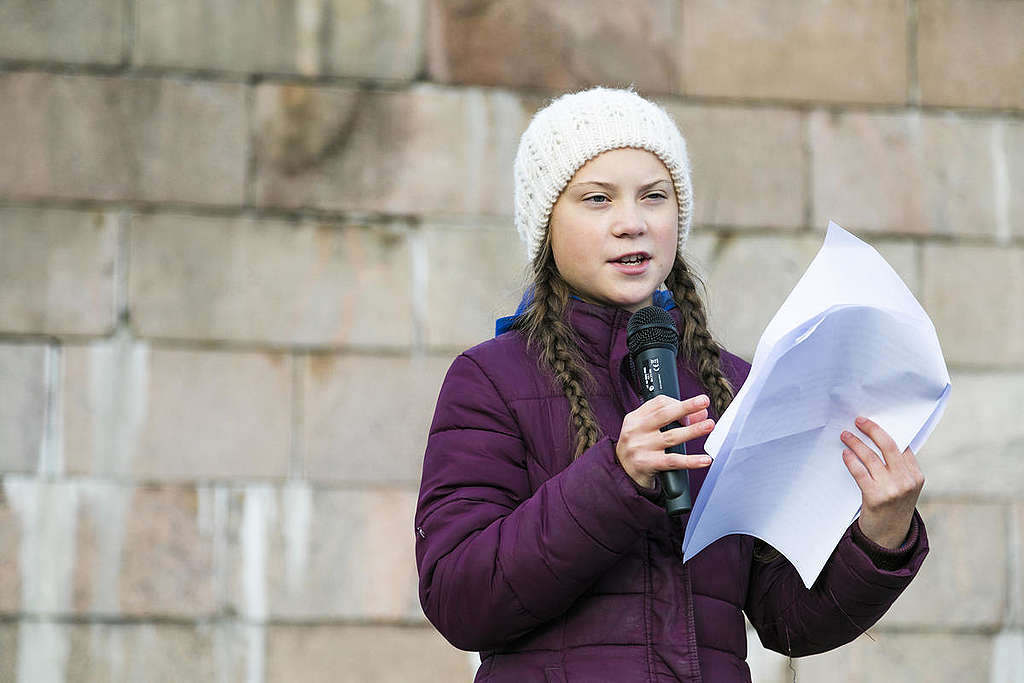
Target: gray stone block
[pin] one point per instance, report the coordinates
(321, 554)
(969, 53)
(963, 581)
(270, 281)
(57, 271)
(365, 418)
(419, 151)
(904, 658)
(23, 411)
(847, 51)
(85, 31)
(380, 39)
(747, 165)
(122, 138)
(472, 277)
(161, 414)
(981, 456)
(975, 295)
(384, 654)
(913, 174)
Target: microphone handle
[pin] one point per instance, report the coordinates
(656, 368)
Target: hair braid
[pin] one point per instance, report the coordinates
(696, 340)
(545, 328)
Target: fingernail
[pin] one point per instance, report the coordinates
(703, 400)
(705, 461)
(861, 420)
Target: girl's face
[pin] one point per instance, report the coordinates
(614, 228)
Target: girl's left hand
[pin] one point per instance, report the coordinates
(889, 489)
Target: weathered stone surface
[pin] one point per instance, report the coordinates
(982, 456)
(910, 173)
(89, 31)
(473, 276)
(1016, 550)
(423, 150)
(969, 53)
(122, 138)
(975, 295)
(904, 658)
(158, 414)
(23, 377)
(749, 280)
(385, 654)
(352, 405)
(851, 50)
(8, 651)
(316, 554)
(963, 581)
(270, 281)
(141, 552)
(1009, 161)
(57, 270)
(10, 564)
(747, 164)
(558, 46)
(378, 39)
(765, 665)
(43, 514)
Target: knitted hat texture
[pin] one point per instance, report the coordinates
(576, 127)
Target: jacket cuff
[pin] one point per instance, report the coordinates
(656, 494)
(888, 559)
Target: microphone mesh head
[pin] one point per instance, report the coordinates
(651, 327)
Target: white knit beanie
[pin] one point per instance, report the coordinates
(575, 128)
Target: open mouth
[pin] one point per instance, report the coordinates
(633, 259)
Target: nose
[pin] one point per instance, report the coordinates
(629, 221)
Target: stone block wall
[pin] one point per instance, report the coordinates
(240, 242)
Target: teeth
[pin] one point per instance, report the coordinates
(636, 258)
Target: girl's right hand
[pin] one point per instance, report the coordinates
(641, 446)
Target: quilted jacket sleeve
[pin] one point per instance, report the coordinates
(494, 559)
(858, 584)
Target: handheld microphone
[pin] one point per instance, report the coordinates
(653, 345)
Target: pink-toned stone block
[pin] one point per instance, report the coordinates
(316, 554)
(24, 378)
(57, 270)
(747, 165)
(178, 415)
(122, 138)
(418, 151)
(353, 405)
(384, 654)
(555, 45)
(275, 282)
(840, 51)
(969, 53)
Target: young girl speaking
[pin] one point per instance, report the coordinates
(541, 539)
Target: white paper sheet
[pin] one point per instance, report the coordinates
(849, 340)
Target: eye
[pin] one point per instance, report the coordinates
(597, 199)
(657, 195)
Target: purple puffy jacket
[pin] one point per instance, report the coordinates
(568, 571)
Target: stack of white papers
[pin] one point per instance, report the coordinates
(849, 340)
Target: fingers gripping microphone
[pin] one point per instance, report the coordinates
(653, 344)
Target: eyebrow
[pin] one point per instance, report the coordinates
(613, 186)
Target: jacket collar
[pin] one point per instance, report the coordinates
(662, 298)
